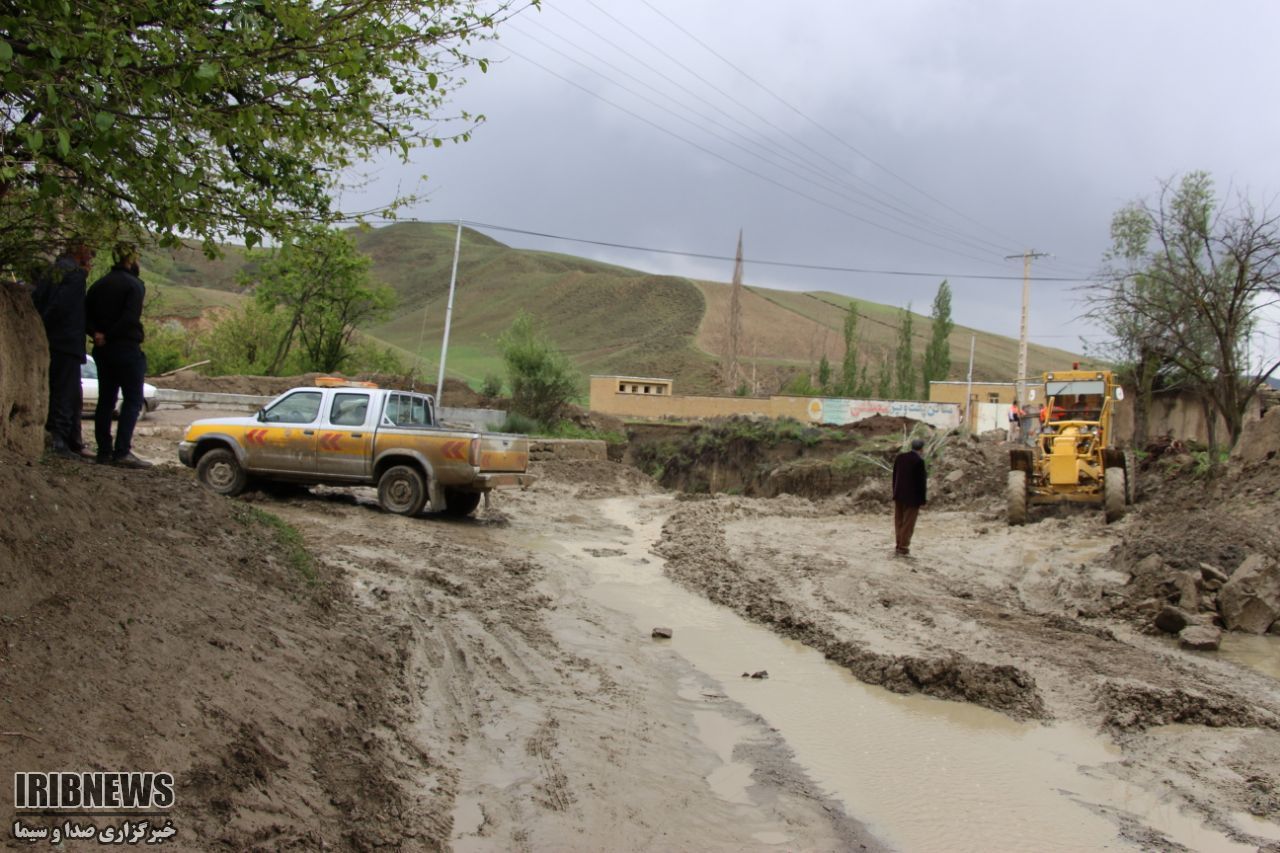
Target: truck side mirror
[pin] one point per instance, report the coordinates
(1119, 393)
(262, 415)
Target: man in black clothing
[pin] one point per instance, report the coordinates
(59, 298)
(910, 480)
(113, 309)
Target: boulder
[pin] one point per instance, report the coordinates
(1201, 638)
(1172, 619)
(662, 633)
(1250, 600)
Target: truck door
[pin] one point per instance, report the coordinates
(344, 443)
(287, 440)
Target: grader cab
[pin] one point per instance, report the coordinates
(1073, 458)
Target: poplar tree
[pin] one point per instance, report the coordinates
(904, 370)
(937, 355)
(849, 367)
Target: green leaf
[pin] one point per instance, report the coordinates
(64, 142)
(432, 79)
(207, 71)
(6, 52)
(104, 121)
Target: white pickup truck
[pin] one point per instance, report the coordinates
(355, 434)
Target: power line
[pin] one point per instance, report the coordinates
(743, 168)
(963, 240)
(818, 125)
(730, 98)
(706, 256)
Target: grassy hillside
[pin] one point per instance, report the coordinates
(608, 319)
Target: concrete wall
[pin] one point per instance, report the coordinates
(607, 399)
(1179, 415)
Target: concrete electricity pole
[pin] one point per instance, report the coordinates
(1027, 257)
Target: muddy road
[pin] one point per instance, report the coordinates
(973, 697)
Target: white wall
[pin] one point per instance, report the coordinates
(841, 411)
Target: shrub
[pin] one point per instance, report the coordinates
(517, 422)
(542, 380)
(492, 385)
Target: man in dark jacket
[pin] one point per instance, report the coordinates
(909, 484)
(114, 312)
(59, 298)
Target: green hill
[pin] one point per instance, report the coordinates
(608, 319)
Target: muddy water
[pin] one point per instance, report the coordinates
(1260, 653)
(923, 774)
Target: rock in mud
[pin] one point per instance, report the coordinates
(1152, 564)
(1250, 601)
(661, 633)
(1213, 573)
(1172, 619)
(1185, 588)
(1200, 638)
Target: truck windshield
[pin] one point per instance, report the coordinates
(301, 407)
(407, 410)
(1077, 388)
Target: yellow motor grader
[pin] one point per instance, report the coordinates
(1073, 458)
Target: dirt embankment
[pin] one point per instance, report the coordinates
(149, 625)
(24, 374)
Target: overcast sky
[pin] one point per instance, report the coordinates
(923, 136)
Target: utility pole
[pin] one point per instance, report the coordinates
(968, 391)
(1027, 257)
(733, 371)
(448, 314)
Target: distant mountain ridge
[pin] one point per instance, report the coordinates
(606, 318)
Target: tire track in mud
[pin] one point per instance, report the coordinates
(694, 546)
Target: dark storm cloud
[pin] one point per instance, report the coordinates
(1019, 125)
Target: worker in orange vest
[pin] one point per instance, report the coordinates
(1015, 420)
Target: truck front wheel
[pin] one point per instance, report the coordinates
(459, 503)
(221, 472)
(402, 490)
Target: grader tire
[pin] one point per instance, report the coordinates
(1017, 492)
(1113, 493)
(1130, 477)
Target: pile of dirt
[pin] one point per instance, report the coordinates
(24, 373)
(587, 478)
(879, 425)
(149, 625)
(969, 472)
(1193, 567)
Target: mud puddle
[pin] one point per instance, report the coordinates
(1258, 653)
(921, 773)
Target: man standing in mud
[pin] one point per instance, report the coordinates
(113, 309)
(909, 483)
(59, 297)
